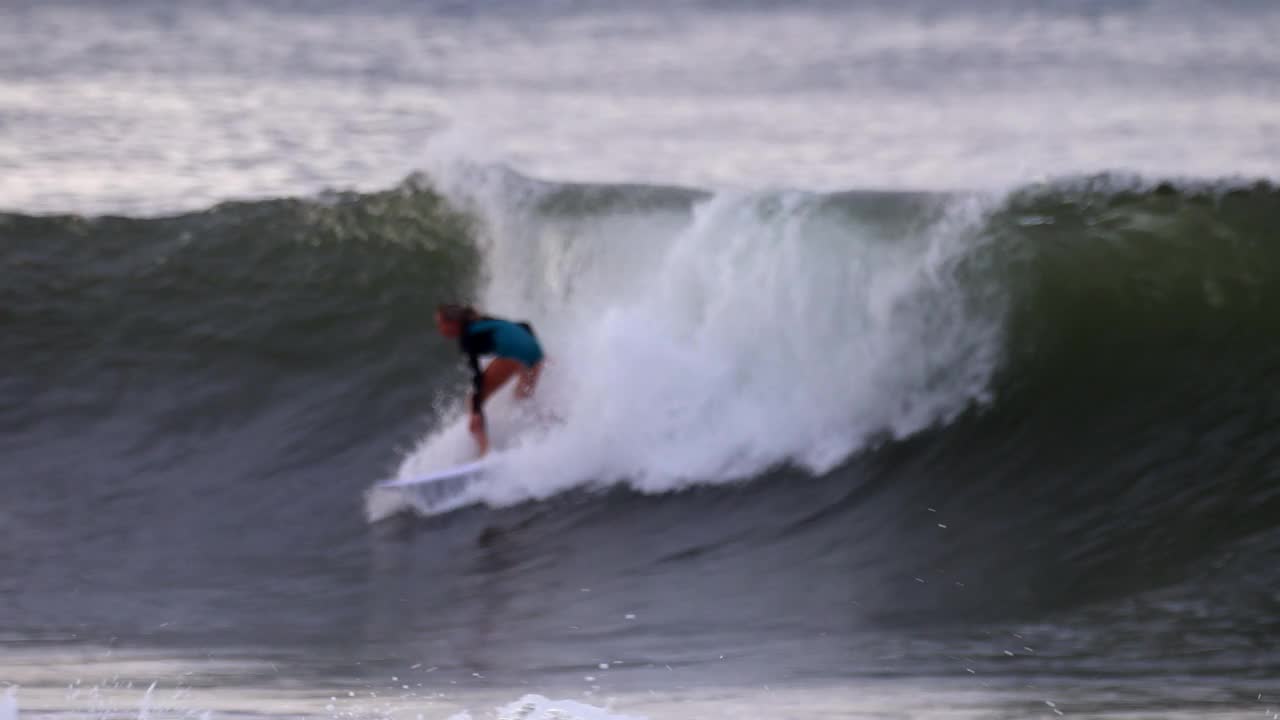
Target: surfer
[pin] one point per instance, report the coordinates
(513, 343)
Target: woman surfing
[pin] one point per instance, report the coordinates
(513, 343)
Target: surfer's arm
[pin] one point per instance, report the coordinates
(477, 386)
(477, 402)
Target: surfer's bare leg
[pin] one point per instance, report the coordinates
(528, 381)
(498, 373)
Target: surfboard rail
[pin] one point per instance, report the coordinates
(469, 468)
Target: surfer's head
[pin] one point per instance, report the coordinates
(450, 318)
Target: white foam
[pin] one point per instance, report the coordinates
(765, 329)
(538, 707)
(9, 704)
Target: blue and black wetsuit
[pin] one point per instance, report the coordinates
(503, 338)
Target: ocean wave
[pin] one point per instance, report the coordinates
(1073, 370)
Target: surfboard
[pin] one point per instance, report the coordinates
(474, 467)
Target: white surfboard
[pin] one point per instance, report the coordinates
(472, 468)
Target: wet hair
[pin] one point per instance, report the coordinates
(453, 313)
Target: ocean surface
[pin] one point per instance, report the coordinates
(910, 359)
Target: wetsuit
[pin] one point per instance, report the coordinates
(503, 338)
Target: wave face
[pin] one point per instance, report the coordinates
(998, 407)
(183, 392)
